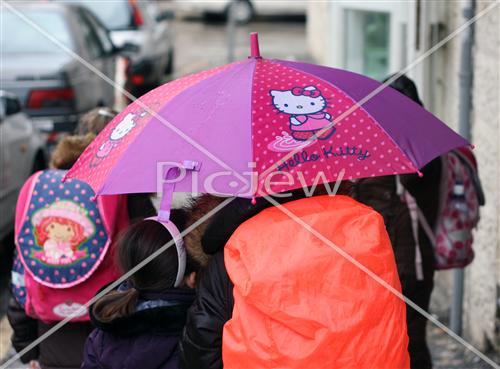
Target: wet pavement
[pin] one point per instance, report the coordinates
(200, 46)
(449, 354)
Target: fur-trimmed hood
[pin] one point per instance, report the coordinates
(211, 236)
(198, 208)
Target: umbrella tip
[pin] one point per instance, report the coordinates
(472, 146)
(254, 45)
(420, 174)
(254, 201)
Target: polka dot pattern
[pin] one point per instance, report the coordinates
(17, 281)
(95, 170)
(32, 249)
(359, 145)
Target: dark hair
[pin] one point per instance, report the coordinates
(138, 242)
(95, 120)
(406, 86)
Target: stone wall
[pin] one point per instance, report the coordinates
(482, 277)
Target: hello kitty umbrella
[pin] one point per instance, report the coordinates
(261, 126)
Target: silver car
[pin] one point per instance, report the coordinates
(21, 154)
(54, 87)
(148, 27)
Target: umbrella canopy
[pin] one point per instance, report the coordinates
(261, 126)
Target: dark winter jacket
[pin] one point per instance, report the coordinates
(381, 194)
(148, 338)
(61, 350)
(201, 344)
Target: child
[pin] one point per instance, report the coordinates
(139, 324)
(60, 231)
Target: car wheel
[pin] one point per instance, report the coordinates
(243, 11)
(169, 69)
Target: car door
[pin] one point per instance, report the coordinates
(15, 159)
(97, 57)
(159, 37)
(107, 55)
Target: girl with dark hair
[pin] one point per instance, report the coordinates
(139, 324)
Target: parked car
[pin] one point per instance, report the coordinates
(22, 153)
(148, 27)
(53, 86)
(244, 10)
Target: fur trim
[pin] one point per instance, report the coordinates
(68, 150)
(197, 209)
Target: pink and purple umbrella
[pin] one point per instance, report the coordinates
(261, 126)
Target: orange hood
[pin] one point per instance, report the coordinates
(299, 304)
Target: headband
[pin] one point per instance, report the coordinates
(179, 244)
(164, 213)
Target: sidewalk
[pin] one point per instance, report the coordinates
(446, 353)
(5, 332)
(449, 354)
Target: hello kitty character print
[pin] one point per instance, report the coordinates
(306, 107)
(122, 129)
(60, 228)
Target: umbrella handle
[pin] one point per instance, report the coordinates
(169, 187)
(167, 193)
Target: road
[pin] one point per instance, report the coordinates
(200, 46)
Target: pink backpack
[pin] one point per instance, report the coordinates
(63, 237)
(461, 195)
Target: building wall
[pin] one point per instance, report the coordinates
(438, 80)
(482, 277)
(318, 31)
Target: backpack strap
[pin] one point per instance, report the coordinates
(415, 215)
(469, 161)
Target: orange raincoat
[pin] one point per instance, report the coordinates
(300, 304)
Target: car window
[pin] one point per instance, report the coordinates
(21, 37)
(102, 33)
(114, 15)
(2, 107)
(89, 34)
(12, 106)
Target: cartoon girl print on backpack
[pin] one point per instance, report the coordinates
(59, 229)
(306, 107)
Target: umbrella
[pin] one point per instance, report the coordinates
(262, 126)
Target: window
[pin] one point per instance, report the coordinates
(19, 37)
(102, 33)
(90, 37)
(12, 106)
(367, 42)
